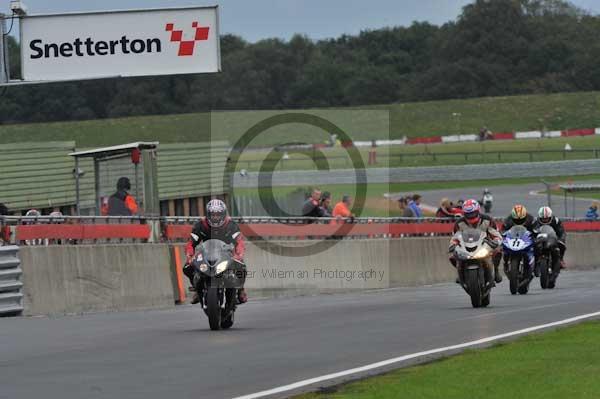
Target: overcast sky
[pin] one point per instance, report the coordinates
(259, 19)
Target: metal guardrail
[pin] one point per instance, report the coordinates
(11, 297)
(95, 230)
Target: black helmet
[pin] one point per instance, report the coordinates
(123, 184)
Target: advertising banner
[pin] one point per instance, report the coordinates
(120, 43)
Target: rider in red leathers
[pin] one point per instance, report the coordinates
(216, 225)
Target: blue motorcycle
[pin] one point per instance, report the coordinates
(519, 251)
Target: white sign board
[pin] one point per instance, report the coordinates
(120, 43)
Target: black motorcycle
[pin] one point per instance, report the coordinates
(547, 256)
(217, 279)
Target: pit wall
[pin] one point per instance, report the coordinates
(81, 279)
(102, 278)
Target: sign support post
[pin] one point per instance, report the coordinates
(4, 65)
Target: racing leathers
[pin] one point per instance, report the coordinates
(229, 233)
(561, 234)
(486, 224)
(528, 223)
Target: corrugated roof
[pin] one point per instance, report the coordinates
(192, 170)
(115, 150)
(40, 175)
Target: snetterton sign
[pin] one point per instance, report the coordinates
(120, 43)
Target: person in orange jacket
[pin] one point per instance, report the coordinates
(122, 203)
(342, 209)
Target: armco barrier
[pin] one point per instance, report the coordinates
(503, 136)
(82, 231)
(10, 281)
(578, 132)
(91, 278)
(174, 229)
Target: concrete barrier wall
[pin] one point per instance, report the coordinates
(287, 268)
(86, 278)
(583, 251)
(78, 279)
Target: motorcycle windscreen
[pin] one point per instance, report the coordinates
(215, 251)
(472, 237)
(518, 232)
(550, 234)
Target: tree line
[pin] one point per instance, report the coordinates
(494, 48)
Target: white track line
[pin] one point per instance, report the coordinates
(373, 366)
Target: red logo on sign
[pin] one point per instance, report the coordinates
(186, 47)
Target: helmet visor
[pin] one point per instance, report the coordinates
(216, 218)
(472, 215)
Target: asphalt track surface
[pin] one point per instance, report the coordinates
(172, 353)
(506, 196)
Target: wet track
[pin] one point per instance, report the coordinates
(506, 196)
(172, 353)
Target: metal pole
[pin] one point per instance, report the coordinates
(566, 206)
(137, 188)
(4, 65)
(548, 192)
(77, 198)
(97, 185)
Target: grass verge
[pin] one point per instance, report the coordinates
(500, 114)
(559, 364)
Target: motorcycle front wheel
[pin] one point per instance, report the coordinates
(474, 287)
(513, 274)
(213, 308)
(544, 274)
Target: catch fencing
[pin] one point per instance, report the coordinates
(99, 230)
(11, 297)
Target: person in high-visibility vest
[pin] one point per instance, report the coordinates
(122, 203)
(342, 209)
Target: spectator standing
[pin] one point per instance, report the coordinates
(121, 203)
(592, 212)
(4, 230)
(413, 210)
(342, 209)
(325, 205)
(310, 208)
(445, 210)
(402, 203)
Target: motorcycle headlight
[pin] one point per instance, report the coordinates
(221, 267)
(203, 267)
(481, 253)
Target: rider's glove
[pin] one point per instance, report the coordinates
(189, 259)
(452, 246)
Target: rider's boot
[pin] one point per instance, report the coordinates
(497, 275)
(242, 297)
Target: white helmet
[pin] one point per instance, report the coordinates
(545, 215)
(216, 212)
